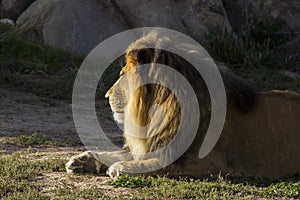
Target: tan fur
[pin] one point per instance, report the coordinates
(261, 136)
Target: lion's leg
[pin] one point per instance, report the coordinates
(149, 167)
(95, 162)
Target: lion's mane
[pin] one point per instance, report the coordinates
(240, 95)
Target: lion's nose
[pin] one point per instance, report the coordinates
(107, 94)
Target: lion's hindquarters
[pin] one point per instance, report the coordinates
(266, 141)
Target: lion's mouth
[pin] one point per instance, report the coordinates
(119, 117)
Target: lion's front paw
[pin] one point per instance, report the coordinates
(85, 162)
(115, 170)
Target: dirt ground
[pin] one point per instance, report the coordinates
(25, 113)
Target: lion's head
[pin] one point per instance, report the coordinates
(141, 102)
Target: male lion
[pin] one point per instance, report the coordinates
(261, 134)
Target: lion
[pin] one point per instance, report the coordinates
(260, 137)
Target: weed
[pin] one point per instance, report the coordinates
(13, 190)
(109, 77)
(18, 168)
(253, 49)
(35, 67)
(268, 79)
(24, 56)
(220, 188)
(295, 85)
(36, 139)
(17, 173)
(87, 193)
(131, 182)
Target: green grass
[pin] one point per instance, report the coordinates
(50, 72)
(36, 139)
(17, 181)
(109, 77)
(268, 79)
(255, 48)
(38, 68)
(162, 187)
(41, 69)
(18, 168)
(16, 173)
(88, 193)
(19, 54)
(131, 182)
(253, 55)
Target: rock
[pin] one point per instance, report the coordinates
(7, 21)
(291, 50)
(74, 25)
(191, 17)
(277, 10)
(78, 25)
(288, 12)
(289, 74)
(12, 9)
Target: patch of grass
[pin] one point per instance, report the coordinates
(16, 173)
(109, 77)
(268, 79)
(283, 189)
(19, 54)
(46, 71)
(220, 188)
(36, 67)
(295, 85)
(50, 165)
(55, 87)
(36, 139)
(253, 55)
(256, 48)
(197, 189)
(87, 193)
(269, 29)
(131, 182)
(19, 189)
(16, 167)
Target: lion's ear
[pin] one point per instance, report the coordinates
(145, 56)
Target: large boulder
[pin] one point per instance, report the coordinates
(240, 13)
(79, 25)
(75, 25)
(13, 8)
(191, 17)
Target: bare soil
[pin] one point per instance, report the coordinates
(25, 113)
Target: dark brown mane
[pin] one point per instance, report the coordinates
(239, 92)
